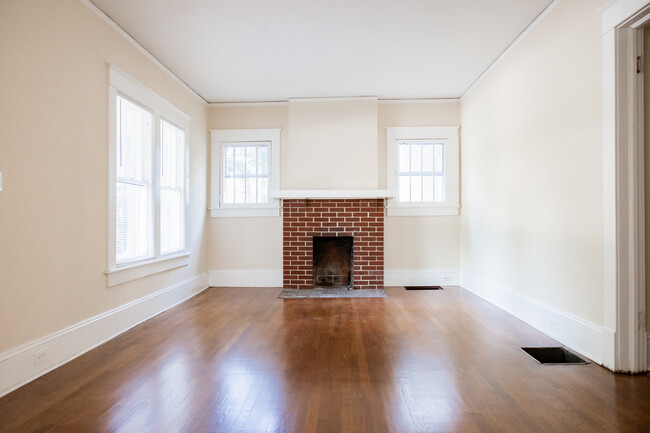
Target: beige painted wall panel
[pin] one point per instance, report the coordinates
(531, 177)
(419, 243)
(422, 243)
(646, 136)
(247, 243)
(54, 159)
(332, 145)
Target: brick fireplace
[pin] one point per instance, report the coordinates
(360, 219)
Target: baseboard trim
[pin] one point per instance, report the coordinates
(17, 365)
(429, 277)
(246, 278)
(580, 335)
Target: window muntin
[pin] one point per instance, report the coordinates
(172, 188)
(148, 160)
(133, 182)
(245, 173)
(421, 171)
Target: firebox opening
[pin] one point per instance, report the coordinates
(333, 262)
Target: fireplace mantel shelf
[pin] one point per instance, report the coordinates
(333, 193)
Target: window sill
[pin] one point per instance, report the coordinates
(422, 211)
(252, 212)
(127, 273)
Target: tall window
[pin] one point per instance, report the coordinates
(148, 180)
(245, 169)
(423, 170)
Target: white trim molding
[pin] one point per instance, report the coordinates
(510, 47)
(220, 137)
(419, 277)
(138, 270)
(17, 366)
(580, 335)
(245, 278)
(142, 49)
(623, 190)
(333, 193)
(446, 135)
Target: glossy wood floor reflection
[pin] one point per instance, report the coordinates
(240, 360)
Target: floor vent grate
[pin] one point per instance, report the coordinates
(423, 288)
(553, 355)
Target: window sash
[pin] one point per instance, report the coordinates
(245, 173)
(418, 179)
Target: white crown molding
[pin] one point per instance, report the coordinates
(419, 101)
(17, 365)
(142, 49)
(510, 47)
(248, 104)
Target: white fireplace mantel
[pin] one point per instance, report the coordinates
(333, 193)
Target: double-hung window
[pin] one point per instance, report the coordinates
(423, 170)
(147, 181)
(245, 165)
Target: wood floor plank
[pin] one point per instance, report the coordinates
(241, 360)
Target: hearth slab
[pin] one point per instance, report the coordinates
(331, 293)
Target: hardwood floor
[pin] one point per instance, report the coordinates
(240, 360)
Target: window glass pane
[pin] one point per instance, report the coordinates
(262, 159)
(404, 188)
(251, 160)
(251, 190)
(439, 188)
(427, 157)
(172, 186)
(439, 157)
(416, 188)
(404, 157)
(229, 190)
(132, 221)
(229, 160)
(240, 161)
(263, 190)
(427, 188)
(134, 137)
(171, 220)
(240, 190)
(416, 160)
(133, 201)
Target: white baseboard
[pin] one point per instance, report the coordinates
(246, 278)
(409, 277)
(17, 365)
(580, 335)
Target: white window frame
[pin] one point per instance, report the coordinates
(219, 137)
(127, 87)
(450, 136)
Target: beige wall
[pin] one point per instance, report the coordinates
(422, 242)
(247, 243)
(418, 243)
(53, 156)
(532, 167)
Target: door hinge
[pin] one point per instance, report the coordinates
(639, 64)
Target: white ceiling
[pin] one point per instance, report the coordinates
(273, 50)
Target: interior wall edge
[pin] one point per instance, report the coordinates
(17, 365)
(577, 334)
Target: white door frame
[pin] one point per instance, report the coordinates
(625, 338)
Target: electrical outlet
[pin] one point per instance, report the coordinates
(40, 356)
(446, 278)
